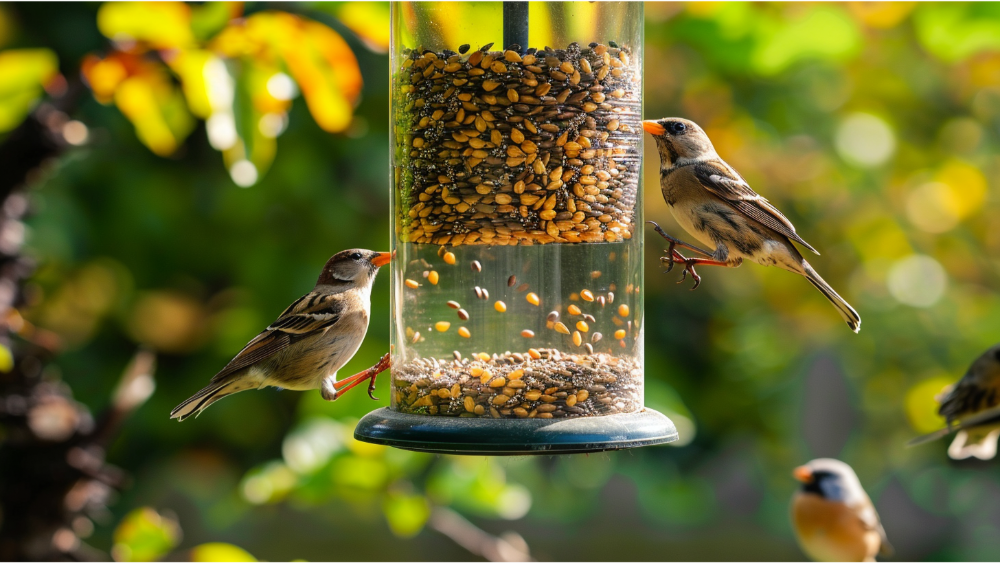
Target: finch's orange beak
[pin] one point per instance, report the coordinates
(653, 128)
(383, 258)
(803, 474)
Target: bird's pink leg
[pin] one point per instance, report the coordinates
(348, 383)
(674, 256)
(690, 263)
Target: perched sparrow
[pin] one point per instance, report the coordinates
(833, 517)
(714, 203)
(971, 408)
(309, 342)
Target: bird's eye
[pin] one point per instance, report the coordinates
(676, 127)
(356, 256)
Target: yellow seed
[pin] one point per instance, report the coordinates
(619, 334)
(544, 415)
(476, 371)
(412, 284)
(444, 393)
(500, 306)
(533, 395)
(623, 310)
(573, 310)
(433, 277)
(500, 400)
(516, 374)
(442, 326)
(498, 382)
(516, 135)
(449, 258)
(527, 333)
(561, 328)
(533, 299)
(470, 404)
(479, 410)
(484, 357)
(436, 375)
(520, 412)
(586, 295)
(535, 354)
(577, 339)
(456, 390)
(582, 395)
(582, 326)
(464, 332)
(571, 400)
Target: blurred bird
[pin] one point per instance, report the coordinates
(710, 200)
(971, 408)
(833, 517)
(312, 339)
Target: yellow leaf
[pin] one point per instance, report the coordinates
(161, 25)
(369, 20)
(189, 65)
(219, 551)
(24, 73)
(921, 404)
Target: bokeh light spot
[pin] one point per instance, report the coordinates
(244, 173)
(917, 280)
(865, 140)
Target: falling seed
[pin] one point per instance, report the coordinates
(425, 273)
(595, 274)
(464, 332)
(589, 318)
(476, 266)
(582, 326)
(441, 251)
(479, 292)
(454, 305)
(486, 294)
(617, 321)
(623, 310)
(433, 277)
(574, 296)
(412, 284)
(621, 343)
(442, 326)
(522, 288)
(619, 334)
(596, 337)
(511, 281)
(527, 333)
(577, 339)
(552, 317)
(611, 297)
(630, 327)
(590, 349)
(561, 328)
(416, 338)
(586, 295)
(601, 300)
(500, 306)
(463, 314)
(449, 258)
(573, 310)
(533, 299)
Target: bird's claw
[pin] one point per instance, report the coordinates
(348, 383)
(689, 267)
(689, 263)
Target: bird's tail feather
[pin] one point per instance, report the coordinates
(936, 435)
(202, 399)
(848, 313)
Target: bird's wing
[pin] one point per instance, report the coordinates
(725, 182)
(870, 520)
(312, 313)
(976, 391)
(990, 415)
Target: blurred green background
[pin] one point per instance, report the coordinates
(874, 127)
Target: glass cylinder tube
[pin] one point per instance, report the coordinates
(516, 184)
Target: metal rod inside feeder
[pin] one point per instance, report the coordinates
(515, 25)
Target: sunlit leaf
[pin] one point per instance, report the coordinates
(218, 551)
(406, 513)
(953, 31)
(145, 535)
(369, 20)
(269, 483)
(161, 25)
(209, 18)
(24, 73)
(822, 32)
(922, 404)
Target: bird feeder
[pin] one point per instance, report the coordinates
(517, 288)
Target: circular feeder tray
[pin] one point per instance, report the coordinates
(505, 436)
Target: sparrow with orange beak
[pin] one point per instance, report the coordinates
(312, 339)
(710, 200)
(833, 518)
(971, 409)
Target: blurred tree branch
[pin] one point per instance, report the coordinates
(510, 546)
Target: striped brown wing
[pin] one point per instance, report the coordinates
(725, 182)
(311, 314)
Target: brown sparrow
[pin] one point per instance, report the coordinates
(833, 518)
(971, 408)
(312, 339)
(710, 200)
